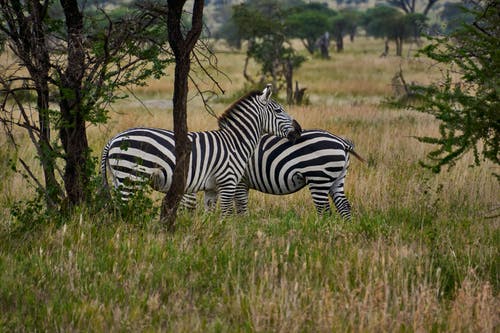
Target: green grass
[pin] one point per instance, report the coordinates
(265, 272)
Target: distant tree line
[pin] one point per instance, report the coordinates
(268, 26)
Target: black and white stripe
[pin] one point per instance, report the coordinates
(218, 158)
(317, 159)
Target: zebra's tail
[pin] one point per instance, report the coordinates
(104, 169)
(357, 156)
(349, 147)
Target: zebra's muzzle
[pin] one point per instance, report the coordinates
(295, 134)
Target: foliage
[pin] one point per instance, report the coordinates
(467, 100)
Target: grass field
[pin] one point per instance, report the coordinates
(421, 253)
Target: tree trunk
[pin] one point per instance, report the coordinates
(73, 130)
(181, 47)
(47, 156)
(340, 43)
(309, 44)
(36, 46)
(288, 72)
(399, 46)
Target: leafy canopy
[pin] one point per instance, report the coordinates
(467, 106)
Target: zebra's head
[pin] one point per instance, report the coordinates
(275, 120)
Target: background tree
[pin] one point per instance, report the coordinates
(308, 23)
(468, 106)
(344, 23)
(392, 24)
(262, 24)
(75, 65)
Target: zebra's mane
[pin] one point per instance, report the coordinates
(229, 110)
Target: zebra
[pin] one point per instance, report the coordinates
(217, 160)
(317, 159)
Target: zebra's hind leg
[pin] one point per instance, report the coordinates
(341, 203)
(319, 193)
(210, 200)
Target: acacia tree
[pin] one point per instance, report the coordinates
(467, 107)
(308, 23)
(344, 23)
(391, 23)
(78, 62)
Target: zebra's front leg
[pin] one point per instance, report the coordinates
(320, 198)
(241, 198)
(188, 201)
(226, 195)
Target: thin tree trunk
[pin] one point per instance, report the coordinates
(340, 43)
(399, 46)
(182, 47)
(36, 46)
(288, 71)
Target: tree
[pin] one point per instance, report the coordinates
(308, 23)
(182, 44)
(468, 106)
(388, 22)
(262, 23)
(75, 65)
(27, 40)
(344, 23)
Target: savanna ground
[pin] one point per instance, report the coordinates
(420, 254)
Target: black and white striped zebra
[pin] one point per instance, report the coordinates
(218, 158)
(317, 159)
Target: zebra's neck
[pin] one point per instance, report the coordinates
(243, 127)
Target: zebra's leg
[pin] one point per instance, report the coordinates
(319, 193)
(241, 198)
(226, 195)
(125, 188)
(339, 199)
(210, 200)
(188, 201)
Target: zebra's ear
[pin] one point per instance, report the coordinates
(266, 93)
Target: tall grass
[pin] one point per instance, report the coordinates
(421, 253)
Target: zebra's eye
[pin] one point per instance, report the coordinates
(278, 110)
